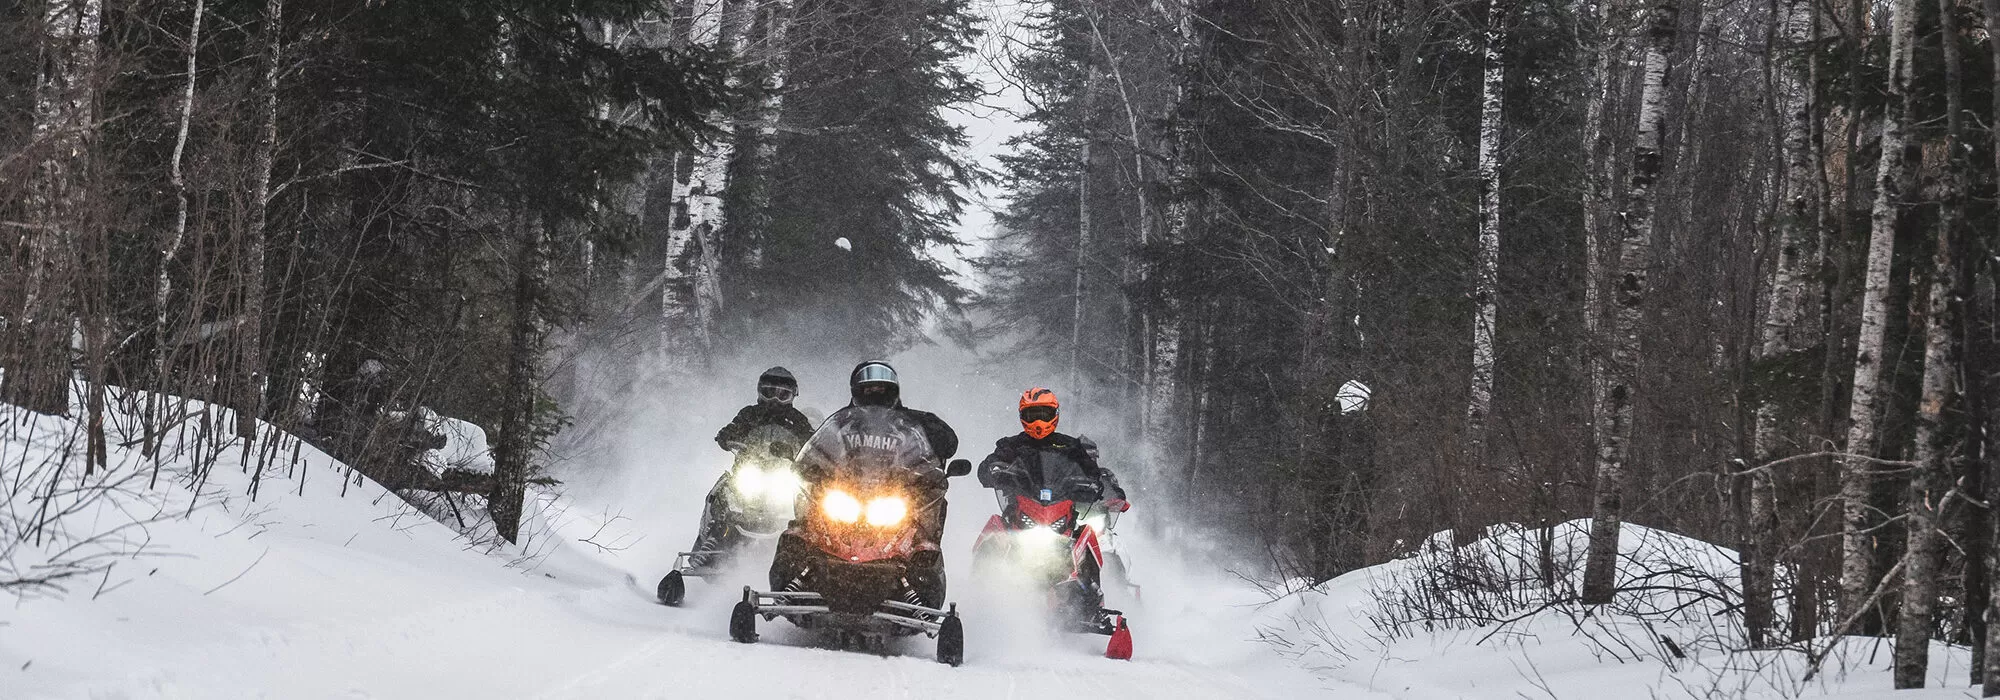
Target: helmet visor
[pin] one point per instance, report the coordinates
(874, 373)
(1038, 413)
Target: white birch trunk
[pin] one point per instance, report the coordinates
(689, 315)
(1942, 369)
(1597, 207)
(1864, 409)
(163, 285)
(1635, 251)
(1797, 228)
(250, 404)
(1486, 271)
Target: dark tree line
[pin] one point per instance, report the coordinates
(341, 218)
(1726, 269)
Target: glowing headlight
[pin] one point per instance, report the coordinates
(840, 506)
(749, 480)
(886, 511)
(1040, 535)
(781, 482)
(1095, 523)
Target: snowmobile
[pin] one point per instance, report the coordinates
(850, 564)
(752, 502)
(1053, 532)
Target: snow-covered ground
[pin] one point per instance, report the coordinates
(328, 586)
(324, 585)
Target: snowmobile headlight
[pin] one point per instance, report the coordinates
(840, 506)
(1041, 536)
(887, 510)
(781, 482)
(749, 480)
(1096, 523)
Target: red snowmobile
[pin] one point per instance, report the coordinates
(849, 564)
(1052, 529)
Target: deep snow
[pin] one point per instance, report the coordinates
(328, 586)
(325, 585)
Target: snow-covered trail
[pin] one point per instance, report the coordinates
(324, 589)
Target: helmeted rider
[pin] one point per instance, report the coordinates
(874, 383)
(1040, 412)
(772, 415)
(775, 390)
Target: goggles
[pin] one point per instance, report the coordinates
(1033, 414)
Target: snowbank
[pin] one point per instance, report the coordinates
(1481, 622)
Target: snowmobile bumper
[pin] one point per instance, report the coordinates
(684, 562)
(812, 610)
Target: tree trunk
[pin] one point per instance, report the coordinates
(1082, 233)
(770, 110)
(163, 285)
(65, 114)
(513, 460)
(693, 294)
(1938, 410)
(250, 392)
(1486, 270)
(1163, 367)
(1797, 224)
(1597, 209)
(1635, 251)
(1865, 409)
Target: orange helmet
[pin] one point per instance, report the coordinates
(1039, 412)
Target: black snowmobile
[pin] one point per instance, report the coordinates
(847, 564)
(752, 502)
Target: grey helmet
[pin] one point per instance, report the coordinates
(777, 384)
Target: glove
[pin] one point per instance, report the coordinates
(1117, 505)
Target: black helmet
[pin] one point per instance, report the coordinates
(777, 384)
(873, 383)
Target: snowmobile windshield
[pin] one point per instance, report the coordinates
(1063, 478)
(868, 447)
(763, 438)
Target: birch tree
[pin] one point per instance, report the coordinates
(1486, 265)
(773, 49)
(1797, 228)
(1865, 408)
(65, 116)
(1930, 482)
(250, 389)
(163, 284)
(1635, 252)
(692, 294)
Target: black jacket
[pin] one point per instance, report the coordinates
(944, 440)
(1012, 448)
(761, 414)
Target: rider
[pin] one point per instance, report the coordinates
(1040, 412)
(775, 389)
(874, 383)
